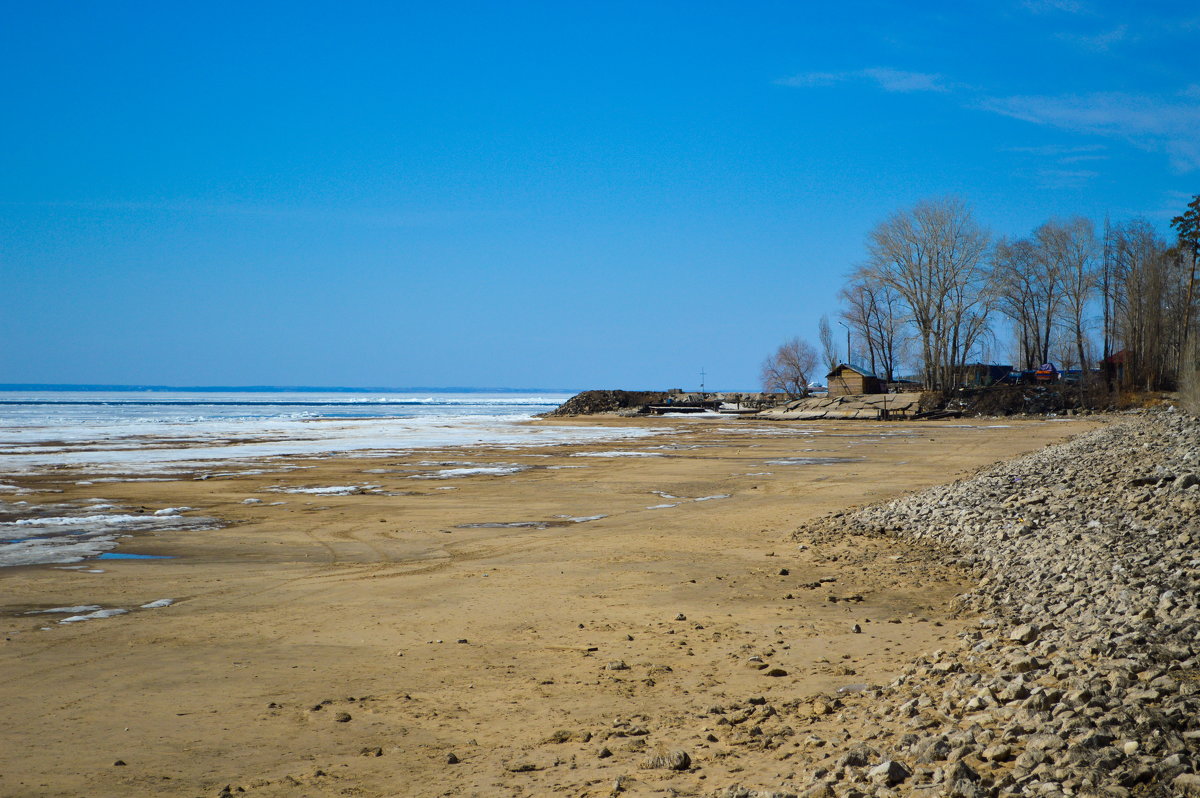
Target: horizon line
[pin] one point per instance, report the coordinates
(48, 386)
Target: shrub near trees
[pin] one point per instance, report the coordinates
(790, 369)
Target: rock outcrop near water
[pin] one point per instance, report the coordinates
(590, 403)
(1083, 676)
(632, 403)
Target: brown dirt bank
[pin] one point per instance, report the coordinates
(297, 612)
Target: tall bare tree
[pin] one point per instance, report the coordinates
(933, 255)
(1148, 286)
(1068, 251)
(828, 347)
(1019, 296)
(873, 311)
(790, 368)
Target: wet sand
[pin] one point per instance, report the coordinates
(358, 644)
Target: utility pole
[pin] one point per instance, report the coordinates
(702, 375)
(848, 356)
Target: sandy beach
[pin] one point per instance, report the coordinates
(478, 621)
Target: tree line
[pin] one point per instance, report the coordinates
(936, 287)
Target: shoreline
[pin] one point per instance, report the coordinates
(333, 597)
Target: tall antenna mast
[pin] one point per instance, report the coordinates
(702, 375)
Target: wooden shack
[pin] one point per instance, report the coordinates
(847, 379)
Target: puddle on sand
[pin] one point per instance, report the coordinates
(114, 555)
(562, 520)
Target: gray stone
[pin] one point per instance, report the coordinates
(671, 760)
(1025, 633)
(888, 773)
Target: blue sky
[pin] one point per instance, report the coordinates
(534, 194)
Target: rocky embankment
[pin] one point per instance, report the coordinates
(632, 403)
(1082, 676)
(855, 406)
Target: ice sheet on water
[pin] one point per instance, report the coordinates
(111, 433)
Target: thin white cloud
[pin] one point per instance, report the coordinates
(1056, 7)
(1170, 125)
(1065, 178)
(1082, 158)
(898, 80)
(888, 79)
(1098, 42)
(808, 79)
(1057, 150)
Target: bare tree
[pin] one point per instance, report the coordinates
(1019, 296)
(1069, 250)
(789, 369)
(828, 347)
(933, 256)
(873, 311)
(1150, 307)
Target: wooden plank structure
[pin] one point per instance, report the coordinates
(848, 380)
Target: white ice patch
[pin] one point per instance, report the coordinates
(66, 539)
(583, 519)
(154, 605)
(453, 473)
(94, 616)
(662, 506)
(332, 490)
(171, 511)
(110, 521)
(714, 496)
(617, 454)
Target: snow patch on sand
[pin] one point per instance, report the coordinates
(617, 454)
(93, 616)
(472, 471)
